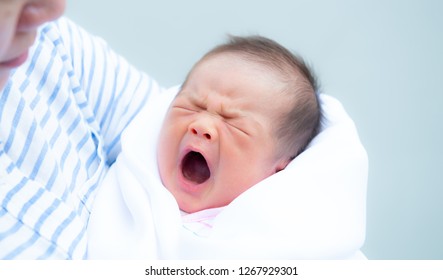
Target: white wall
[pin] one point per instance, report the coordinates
(382, 58)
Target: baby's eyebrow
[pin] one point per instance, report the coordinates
(223, 110)
(198, 101)
(228, 113)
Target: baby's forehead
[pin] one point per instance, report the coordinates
(279, 70)
(259, 74)
(260, 67)
(236, 58)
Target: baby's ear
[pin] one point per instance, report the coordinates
(282, 164)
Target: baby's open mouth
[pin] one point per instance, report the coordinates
(195, 168)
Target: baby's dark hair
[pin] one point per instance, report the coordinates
(302, 122)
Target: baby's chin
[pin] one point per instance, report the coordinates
(193, 206)
(185, 207)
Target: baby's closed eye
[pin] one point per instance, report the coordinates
(237, 125)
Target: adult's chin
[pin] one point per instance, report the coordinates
(4, 76)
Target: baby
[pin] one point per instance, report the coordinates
(246, 109)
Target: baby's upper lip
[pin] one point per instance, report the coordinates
(192, 148)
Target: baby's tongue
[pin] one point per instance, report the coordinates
(195, 168)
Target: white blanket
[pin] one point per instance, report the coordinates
(314, 209)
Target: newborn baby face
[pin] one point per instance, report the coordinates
(218, 139)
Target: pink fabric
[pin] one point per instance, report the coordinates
(200, 223)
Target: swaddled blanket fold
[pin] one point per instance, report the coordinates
(314, 209)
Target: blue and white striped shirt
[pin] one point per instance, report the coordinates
(61, 116)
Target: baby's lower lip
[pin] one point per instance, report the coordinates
(189, 186)
(15, 62)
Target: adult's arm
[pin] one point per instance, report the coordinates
(61, 116)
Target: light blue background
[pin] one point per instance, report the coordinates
(382, 58)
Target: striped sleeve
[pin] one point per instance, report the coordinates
(125, 86)
(61, 116)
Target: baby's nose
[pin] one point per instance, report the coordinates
(206, 135)
(203, 128)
